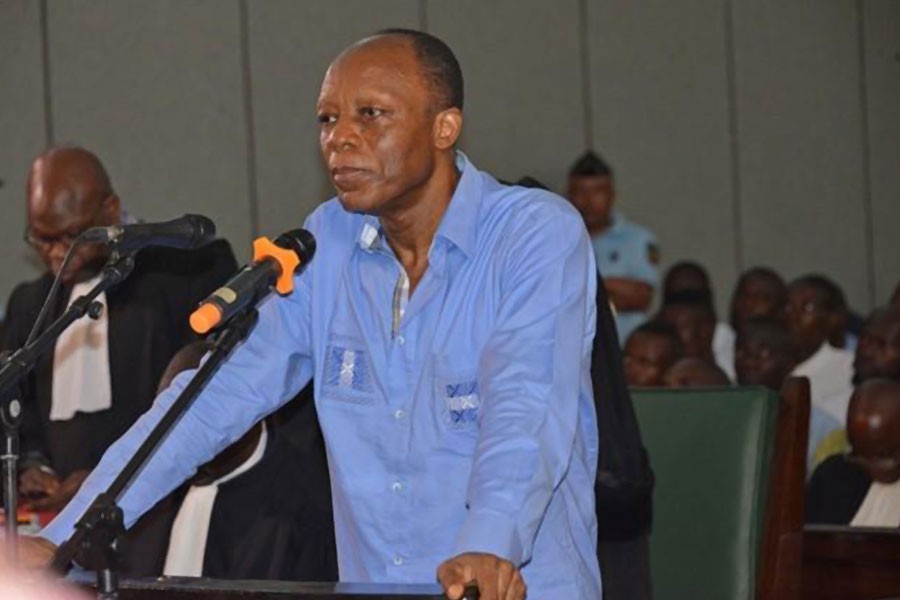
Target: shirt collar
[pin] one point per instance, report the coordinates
(458, 223)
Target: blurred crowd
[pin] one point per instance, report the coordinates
(773, 329)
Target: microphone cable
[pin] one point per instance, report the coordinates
(54, 289)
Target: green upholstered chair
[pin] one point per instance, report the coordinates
(711, 450)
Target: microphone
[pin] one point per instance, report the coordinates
(186, 233)
(274, 265)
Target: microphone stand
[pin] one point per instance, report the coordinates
(16, 366)
(97, 538)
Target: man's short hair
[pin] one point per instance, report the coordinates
(833, 299)
(687, 268)
(590, 164)
(662, 330)
(439, 66)
(699, 300)
(769, 332)
(763, 274)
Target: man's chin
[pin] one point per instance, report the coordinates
(355, 202)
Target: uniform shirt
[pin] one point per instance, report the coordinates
(471, 428)
(628, 251)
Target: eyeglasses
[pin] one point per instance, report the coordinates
(46, 242)
(43, 242)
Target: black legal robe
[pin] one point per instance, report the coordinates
(835, 491)
(272, 522)
(148, 324)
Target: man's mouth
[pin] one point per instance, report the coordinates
(348, 177)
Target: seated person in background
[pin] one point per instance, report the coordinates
(813, 316)
(687, 276)
(627, 253)
(695, 372)
(878, 352)
(765, 355)
(839, 334)
(760, 292)
(649, 352)
(877, 356)
(260, 510)
(102, 374)
(692, 316)
(862, 488)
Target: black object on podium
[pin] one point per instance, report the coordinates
(198, 588)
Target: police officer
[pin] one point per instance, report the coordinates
(627, 253)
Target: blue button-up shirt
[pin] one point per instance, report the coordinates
(469, 425)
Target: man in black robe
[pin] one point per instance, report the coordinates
(146, 322)
(270, 515)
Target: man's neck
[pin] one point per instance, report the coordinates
(410, 228)
(600, 225)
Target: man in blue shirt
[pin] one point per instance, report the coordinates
(627, 254)
(447, 321)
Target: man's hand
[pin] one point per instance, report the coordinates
(38, 481)
(497, 579)
(64, 492)
(628, 294)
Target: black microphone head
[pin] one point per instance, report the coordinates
(301, 242)
(204, 230)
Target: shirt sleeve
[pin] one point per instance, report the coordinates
(533, 368)
(644, 263)
(266, 370)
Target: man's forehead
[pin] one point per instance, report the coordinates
(885, 321)
(381, 59)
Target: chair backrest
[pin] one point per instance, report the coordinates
(781, 556)
(711, 450)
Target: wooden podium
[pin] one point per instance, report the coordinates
(850, 563)
(198, 588)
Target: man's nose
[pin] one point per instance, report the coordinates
(344, 135)
(57, 252)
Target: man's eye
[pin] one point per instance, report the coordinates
(371, 112)
(324, 119)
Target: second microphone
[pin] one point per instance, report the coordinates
(274, 265)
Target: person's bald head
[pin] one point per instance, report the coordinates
(389, 113)
(878, 349)
(695, 372)
(873, 428)
(68, 191)
(436, 65)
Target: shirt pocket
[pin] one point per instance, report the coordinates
(456, 398)
(348, 377)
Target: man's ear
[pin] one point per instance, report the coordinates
(447, 127)
(112, 210)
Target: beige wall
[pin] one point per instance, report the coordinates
(741, 132)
